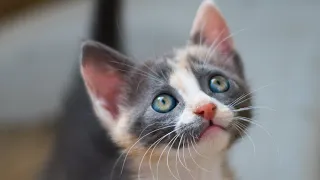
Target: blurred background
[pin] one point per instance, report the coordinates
(278, 40)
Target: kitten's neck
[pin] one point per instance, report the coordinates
(186, 168)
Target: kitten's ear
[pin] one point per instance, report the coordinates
(104, 71)
(210, 28)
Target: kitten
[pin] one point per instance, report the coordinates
(173, 117)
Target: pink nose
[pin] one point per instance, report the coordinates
(206, 111)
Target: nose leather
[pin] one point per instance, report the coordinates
(206, 111)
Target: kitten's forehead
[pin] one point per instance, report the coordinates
(207, 57)
(183, 78)
(203, 54)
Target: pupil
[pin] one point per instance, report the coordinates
(218, 82)
(163, 101)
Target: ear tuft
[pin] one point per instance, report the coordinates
(104, 71)
(210, 28)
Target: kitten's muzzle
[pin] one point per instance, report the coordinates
(208, 112)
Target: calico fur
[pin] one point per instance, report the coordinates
(184, 73)
(169, 145)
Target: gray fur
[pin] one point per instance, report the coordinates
(147, 80)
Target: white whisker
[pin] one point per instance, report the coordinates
(183, 156)
(150, 156)
(195, 160)
(155, 145)
(139, 141)
(161, 156)
(250, 138)
(146, 74)
(245, 95)
(242, 101)
(211, 49)
(179, 155)
(264, 129)
(127, 152)
(253, 107)
(176, 137)
(194, 148)
(228, 37)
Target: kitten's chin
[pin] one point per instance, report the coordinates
(215, 139)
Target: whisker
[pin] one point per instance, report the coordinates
(201, 34)
(250, 138)
(127, 152)
(253, 107)
(245, 95)
(211, 49)
(145, 129)
(228, 37)
(242, 101)
(177, 162)
(139, 141)
(154, 144)
(143, 74)
(139, 169)
(179, 155)
(195, 160)
(138, 85)
(136, 68)
(264, 129)
(168, 157)
(219, 43)
(183, 156)
(153, 72)
(161, 156)
(164, 76)
(194, 142)
(118, 26)
(240, 132)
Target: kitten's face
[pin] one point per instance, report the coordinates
(189, 97)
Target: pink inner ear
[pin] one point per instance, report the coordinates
(210, 24)
(105, 85)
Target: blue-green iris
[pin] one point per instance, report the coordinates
(164, 103)
(219, 84)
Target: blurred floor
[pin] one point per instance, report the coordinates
(23, 151)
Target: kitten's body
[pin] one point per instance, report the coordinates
(168, 158)
(172, 117)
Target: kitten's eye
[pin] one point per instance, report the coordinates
(164, 103)
(219, 84)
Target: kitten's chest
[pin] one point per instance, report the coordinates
(196, 169)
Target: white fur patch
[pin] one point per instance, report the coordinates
(188, 87)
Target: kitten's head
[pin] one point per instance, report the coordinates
(188, 97)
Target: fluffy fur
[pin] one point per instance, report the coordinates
(170, 145)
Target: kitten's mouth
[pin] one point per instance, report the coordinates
(212, 128)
